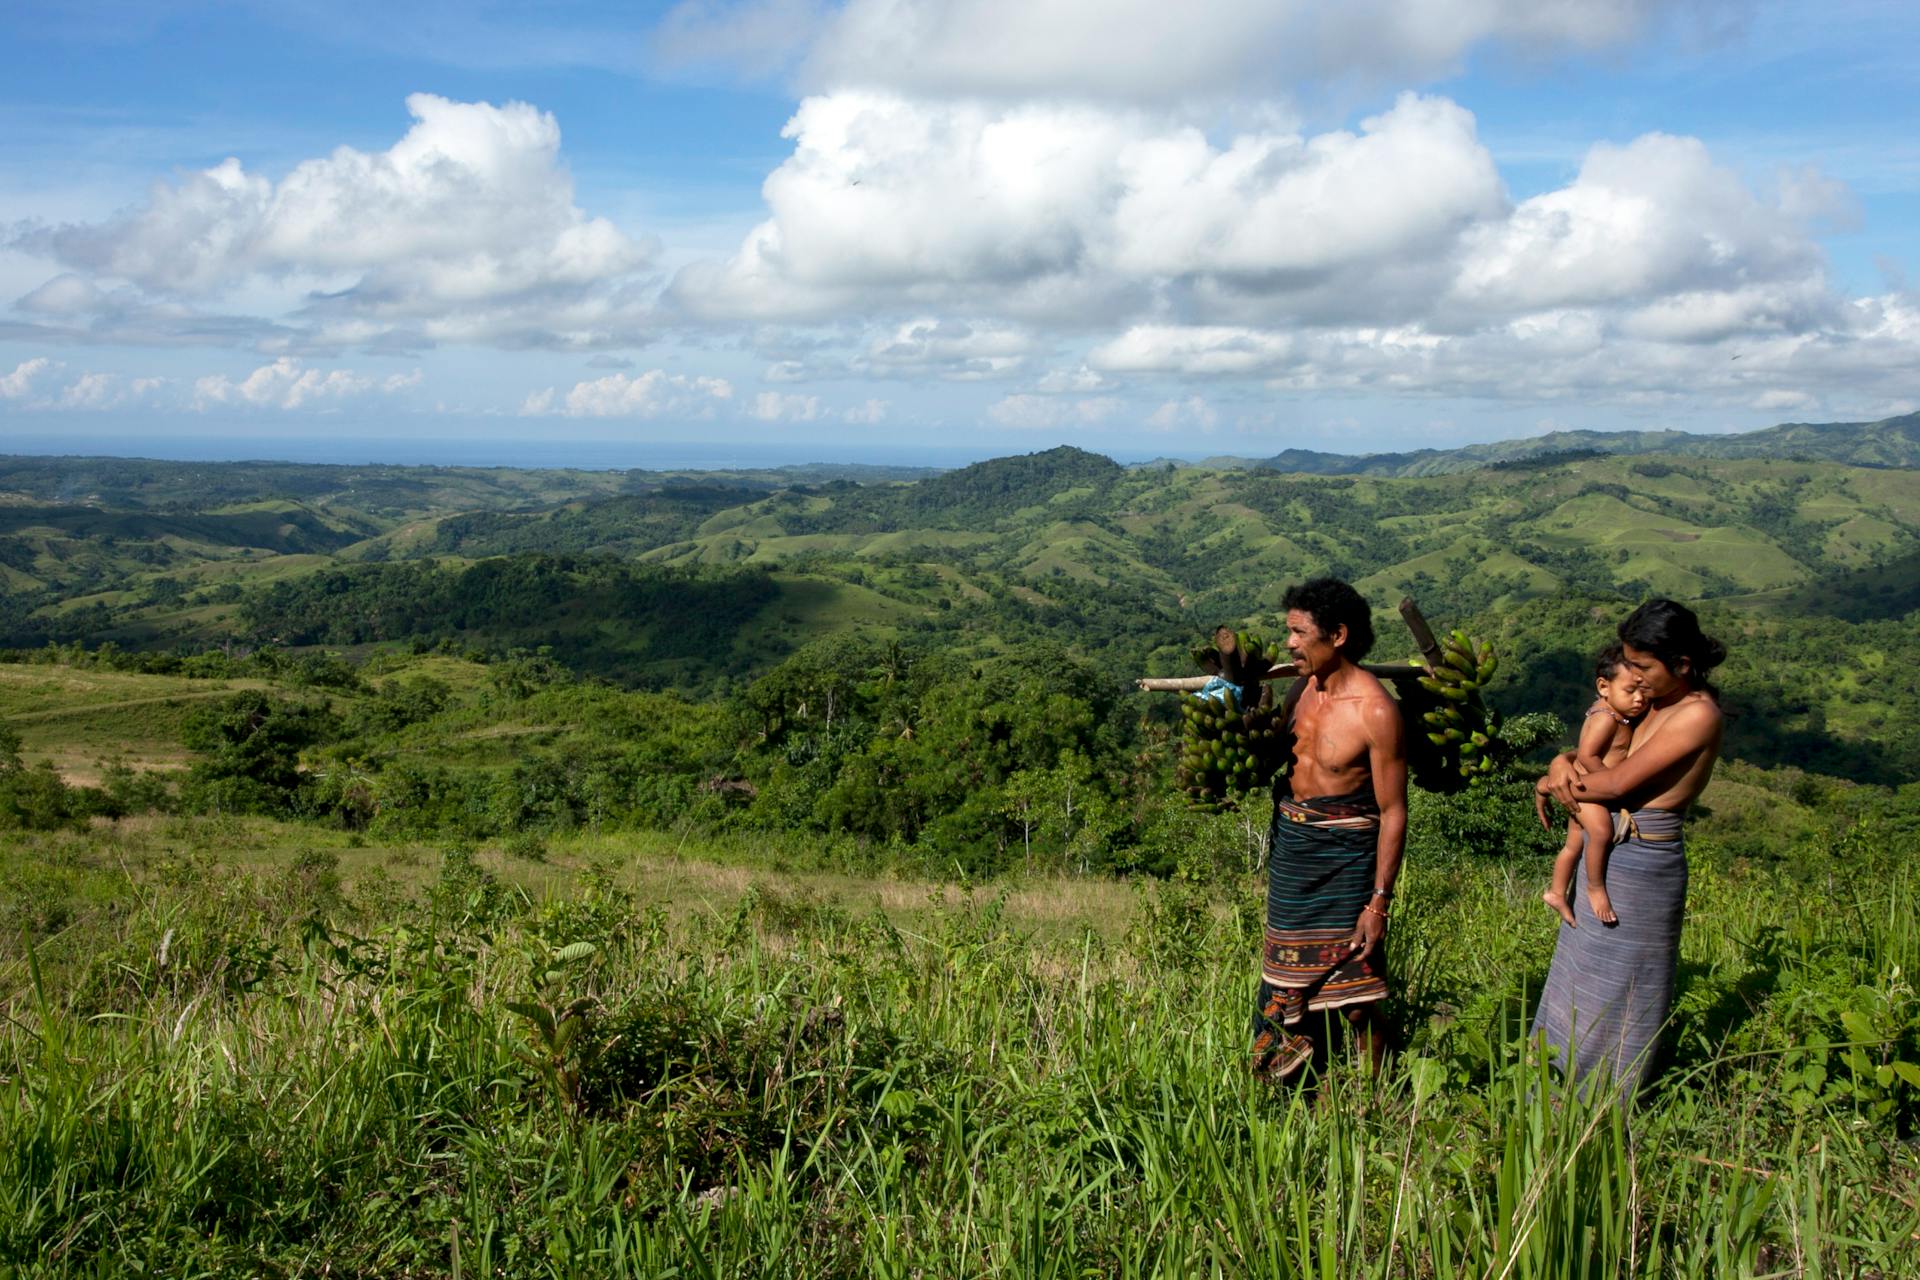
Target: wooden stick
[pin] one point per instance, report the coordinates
(1285, 671)
(1409, 613)
(1422, 633)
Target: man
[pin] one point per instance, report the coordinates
(1337, 833)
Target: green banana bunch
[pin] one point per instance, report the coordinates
(1231, 745)
(1459, 743)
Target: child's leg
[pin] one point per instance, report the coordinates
(1563, 862)
(1598, 825)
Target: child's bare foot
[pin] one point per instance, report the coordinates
(1558, 901)
(1602, 904)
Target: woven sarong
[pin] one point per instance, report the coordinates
(1319, 878)
(1610, 989)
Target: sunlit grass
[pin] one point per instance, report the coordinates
(232, 1052)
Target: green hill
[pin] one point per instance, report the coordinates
(1890, 442)
(669, 581)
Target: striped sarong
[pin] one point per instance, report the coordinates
(1320, 871)
(1610, 989)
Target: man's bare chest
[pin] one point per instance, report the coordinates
(1329, 732)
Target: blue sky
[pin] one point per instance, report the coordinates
(970, 226)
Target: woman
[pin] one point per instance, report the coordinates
(1611, 986)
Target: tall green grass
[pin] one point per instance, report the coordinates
(223, 1075)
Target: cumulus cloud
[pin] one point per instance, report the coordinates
(1650, 220)
(1082, 379)
(16, 385)
(653, 394)
(1074, 211)
(1868, 351)
(1389, 256)
(1195, 349)
(288, 384)
(774, 406)
(92, 391)
(1127, 49)
(984, 190)
(1033, 412)
(951, 349)
(464, 230)
(868, 413)
(1191, 412)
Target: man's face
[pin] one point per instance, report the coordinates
(1313, 651)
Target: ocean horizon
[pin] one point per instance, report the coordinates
(587, 455)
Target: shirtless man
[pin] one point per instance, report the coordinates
(1336, 838)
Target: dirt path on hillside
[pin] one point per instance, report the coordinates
(87, 708)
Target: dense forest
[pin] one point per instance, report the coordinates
(937, 667)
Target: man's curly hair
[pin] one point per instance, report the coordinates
(1332, 603)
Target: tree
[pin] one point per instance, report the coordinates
(252, 744)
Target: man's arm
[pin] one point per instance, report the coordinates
(1387, 761)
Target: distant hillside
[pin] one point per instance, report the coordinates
(965, 499)
(1891, 442)
(389, 491)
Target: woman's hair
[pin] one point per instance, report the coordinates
(1331, 603)
(1607, 663)
(1670, 632)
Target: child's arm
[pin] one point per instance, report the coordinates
(1596, 735)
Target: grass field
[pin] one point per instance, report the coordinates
(245, 1048)
(80, 719)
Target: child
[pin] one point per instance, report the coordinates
(1604, 739)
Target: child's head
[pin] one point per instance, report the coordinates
(1618, 683)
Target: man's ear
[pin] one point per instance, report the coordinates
(1338, 637)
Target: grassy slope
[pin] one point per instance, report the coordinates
(79, 719)
(864, 1077)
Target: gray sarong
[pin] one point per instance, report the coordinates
(1610, 989)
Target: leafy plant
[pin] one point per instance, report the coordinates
(553, 1022)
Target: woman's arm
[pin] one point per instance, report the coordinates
(1690, 731)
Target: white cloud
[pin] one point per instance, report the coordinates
(1783, 401)
(1040, 412)
(1128, 49)
(773, 406)
(1083, 379)
(1197, 349)
(1193, 411)
(1061, 211)
(757, 39)
(64, 295)
(951, 349)
(1389, 257)
(93, 391)
(464, 230)
(1648, 220)
(16, 385)
(1589, 356)
(655, 393)
(289, 384)
(869, 413)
